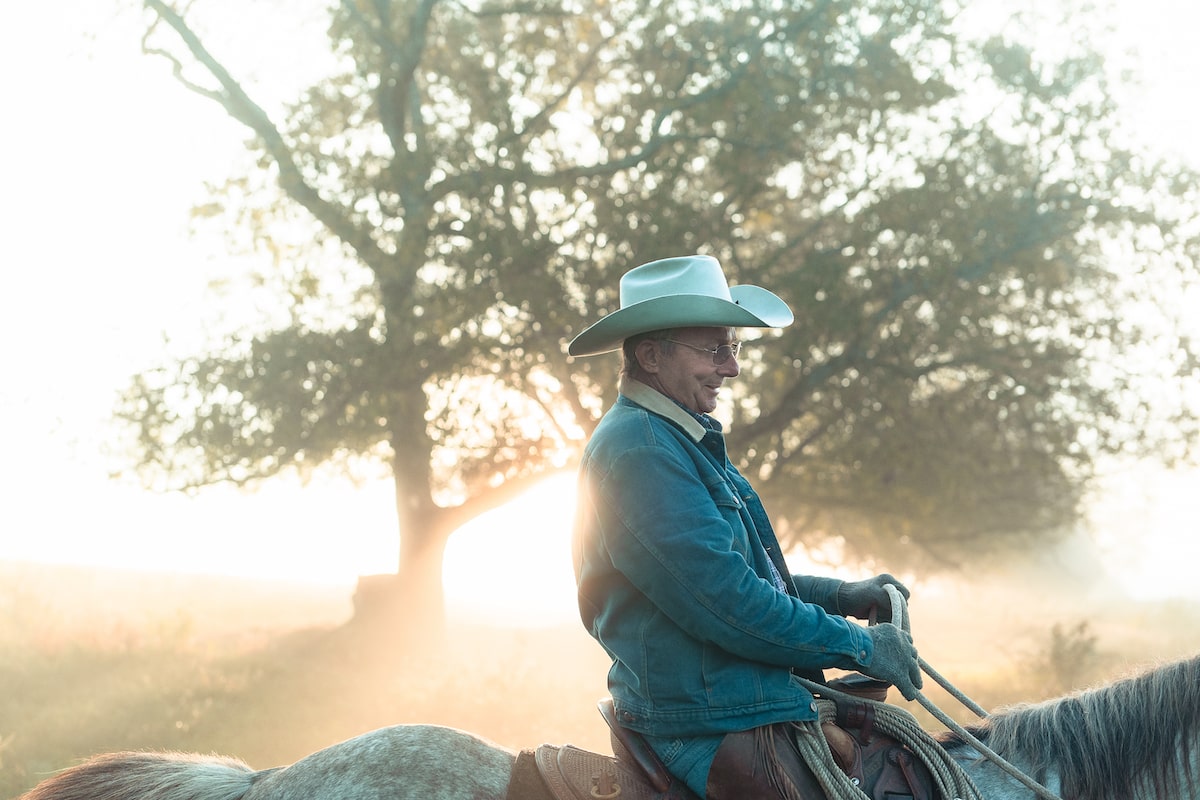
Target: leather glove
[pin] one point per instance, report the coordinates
(855, 598)
(894, 659)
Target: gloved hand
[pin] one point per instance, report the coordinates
(855, 598)
(894, 659)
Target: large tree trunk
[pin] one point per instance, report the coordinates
(411, 600)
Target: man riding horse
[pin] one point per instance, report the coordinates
(681, 578)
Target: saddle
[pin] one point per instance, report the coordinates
(569, 773)
(878, 764)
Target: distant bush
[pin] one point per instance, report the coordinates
(1069, 659)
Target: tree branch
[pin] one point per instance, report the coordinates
(239, 105)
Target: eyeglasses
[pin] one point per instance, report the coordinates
(719, 354)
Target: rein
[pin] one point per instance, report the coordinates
(900, 620)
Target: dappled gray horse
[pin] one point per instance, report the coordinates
(1135, 739)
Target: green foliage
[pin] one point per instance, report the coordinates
(965, 241)
(75, 689)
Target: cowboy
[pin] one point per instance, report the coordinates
(681, 578)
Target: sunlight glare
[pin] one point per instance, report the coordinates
(327, 535)
(1146, 526)
(512, 566)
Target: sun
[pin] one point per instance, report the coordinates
(512, 566)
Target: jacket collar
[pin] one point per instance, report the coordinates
(657, 402)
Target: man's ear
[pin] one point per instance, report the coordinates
(648, 355)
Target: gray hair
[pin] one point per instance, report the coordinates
(629, 363)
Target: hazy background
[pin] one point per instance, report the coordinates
(227, 634)
(100, 265)
(97, 660)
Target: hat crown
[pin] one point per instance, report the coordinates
(680, 292)
(671, 277)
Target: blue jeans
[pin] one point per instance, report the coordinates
(687, 759)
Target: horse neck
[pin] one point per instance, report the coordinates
(995, 783)
(1136, 739)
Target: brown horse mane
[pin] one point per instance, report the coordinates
(1096, 737)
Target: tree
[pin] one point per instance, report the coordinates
(475, 176)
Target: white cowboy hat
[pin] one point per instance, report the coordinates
(683, 292)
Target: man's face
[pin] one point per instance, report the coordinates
(688, 375)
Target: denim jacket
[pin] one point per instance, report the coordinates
(673, 558)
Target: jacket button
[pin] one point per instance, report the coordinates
(627, 716)
(813, 706)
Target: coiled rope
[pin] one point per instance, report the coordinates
(951, 780)
(948, 775)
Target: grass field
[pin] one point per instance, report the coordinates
(94, 661)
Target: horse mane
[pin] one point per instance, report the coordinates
(153, 776)
(1107, 742)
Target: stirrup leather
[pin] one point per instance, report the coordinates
(630, 748)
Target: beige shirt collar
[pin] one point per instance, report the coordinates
(653, 400)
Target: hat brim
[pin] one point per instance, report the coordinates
(752, 307)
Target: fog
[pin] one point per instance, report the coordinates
(95, 660)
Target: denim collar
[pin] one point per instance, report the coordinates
(653, 400)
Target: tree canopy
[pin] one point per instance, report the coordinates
(961, 227)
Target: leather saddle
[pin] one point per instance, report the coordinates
(635, 773)
(881, 767)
